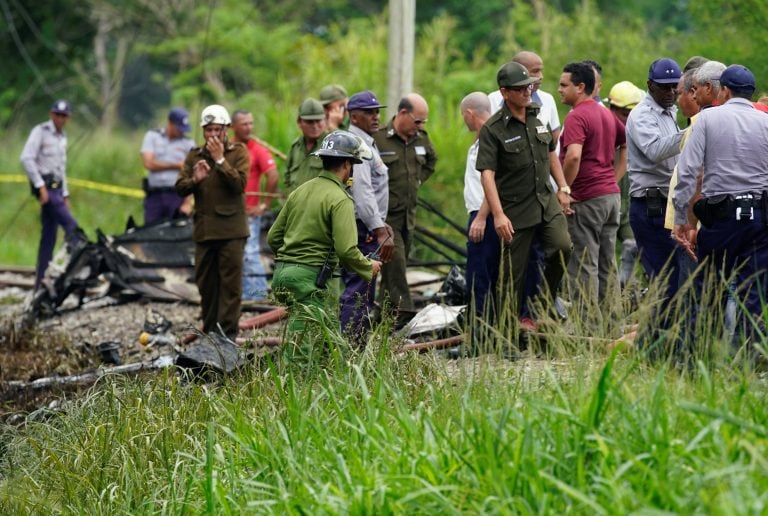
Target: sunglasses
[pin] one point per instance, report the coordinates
(417, 121)
(519, 89)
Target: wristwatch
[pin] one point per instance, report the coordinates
(220, 161)
(565, 189)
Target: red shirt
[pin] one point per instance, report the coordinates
(261, 161)
(599, 133)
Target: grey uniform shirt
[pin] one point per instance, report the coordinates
(370, 185)
(731, 142)
(45, 153)
(653, 141)
(165, 150)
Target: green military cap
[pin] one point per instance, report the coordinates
(513, 74)
(331, 93)
(311, 109)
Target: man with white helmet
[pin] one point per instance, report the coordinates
(216, 174)
(315, 231)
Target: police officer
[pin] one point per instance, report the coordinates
(216, 174)
(302, 165)
(653, 143)
(516, 156)
(162, 153)
(730, 141)
(315, 231)
(407, 152)
(44, 159)
(370, 193)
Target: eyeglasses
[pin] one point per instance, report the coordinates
(417, 121)
(519, 89)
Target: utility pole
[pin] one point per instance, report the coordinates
(402, 22)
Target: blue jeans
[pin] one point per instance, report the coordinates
(254, 276)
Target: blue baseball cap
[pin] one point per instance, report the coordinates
(664, 71)
(61, 107)
(364, 100)
(180, 118)
(738, 78)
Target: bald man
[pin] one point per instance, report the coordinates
(483, 244)
(405, 148)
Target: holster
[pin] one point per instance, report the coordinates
(703, 213)
(655, 202)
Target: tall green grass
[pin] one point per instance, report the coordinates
(580, 430)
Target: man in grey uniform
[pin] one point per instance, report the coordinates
(731, 142)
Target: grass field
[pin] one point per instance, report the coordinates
(591, 433)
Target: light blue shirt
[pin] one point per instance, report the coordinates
(653, 141)
(731, 143)
(370, 185)
(45, 153)
(165, 150)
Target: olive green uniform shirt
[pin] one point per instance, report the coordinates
(518, 153)
(317, 215)
(301, 166)
(409, 164)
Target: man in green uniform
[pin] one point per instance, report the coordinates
(216, 174)
(405, 148)
(301, 165)
(515, 157)
(316, 230)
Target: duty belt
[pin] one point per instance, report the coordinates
(739, 207)
(51, 183)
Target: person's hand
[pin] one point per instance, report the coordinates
(186, 205)
(685, 235)
(565, 202)
(375, 267)
(385, 239)
(42, 195)
(504, 228)
(477, 229)
(215, 147)
(201, 170)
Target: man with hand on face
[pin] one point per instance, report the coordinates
(216, 174)
(516, 157)
(370, 193)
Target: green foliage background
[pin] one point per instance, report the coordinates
(125, 63)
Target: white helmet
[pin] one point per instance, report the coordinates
(215, 114)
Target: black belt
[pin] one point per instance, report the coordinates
(739, 207)
(651, 193)
(51, 183)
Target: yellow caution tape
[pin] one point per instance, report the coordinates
(82, 183)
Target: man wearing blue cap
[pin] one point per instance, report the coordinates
(370, 193)
(163, 152)
(653, 143)
(44, 159)
(730, 142)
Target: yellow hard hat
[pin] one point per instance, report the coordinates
(625, 95)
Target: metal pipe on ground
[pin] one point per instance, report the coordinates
(261, 320)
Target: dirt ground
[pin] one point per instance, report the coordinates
(69, 344)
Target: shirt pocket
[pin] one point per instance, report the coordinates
(226, 210)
